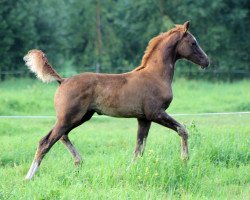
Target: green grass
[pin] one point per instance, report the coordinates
(31, 97)
(219, 162)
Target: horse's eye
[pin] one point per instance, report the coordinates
(193, 43)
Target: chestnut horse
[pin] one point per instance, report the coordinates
(144, 93)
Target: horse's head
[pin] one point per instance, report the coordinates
(189, 48)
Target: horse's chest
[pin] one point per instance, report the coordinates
(166, 98)
(163, 100)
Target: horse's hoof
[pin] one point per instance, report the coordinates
(184, 157)
(78, 163)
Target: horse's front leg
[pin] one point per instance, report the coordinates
(164, 119)
(142, 134)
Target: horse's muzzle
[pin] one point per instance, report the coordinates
(205, 63)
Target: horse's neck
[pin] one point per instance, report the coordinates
(162, 63)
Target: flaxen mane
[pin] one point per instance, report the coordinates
(153, 43)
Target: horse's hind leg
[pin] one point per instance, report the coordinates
(142, 134)
(77, 157)
(61, 128)
(44, 146)
(65, 140)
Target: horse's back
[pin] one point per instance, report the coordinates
(91, 91)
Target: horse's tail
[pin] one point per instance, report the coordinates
(38, 64)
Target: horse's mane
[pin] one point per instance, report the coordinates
(153, 43)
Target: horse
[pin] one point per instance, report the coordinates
(143, 93)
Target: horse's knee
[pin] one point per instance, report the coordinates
(182, 132)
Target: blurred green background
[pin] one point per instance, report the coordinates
(111, 36)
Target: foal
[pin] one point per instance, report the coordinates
(144, 93)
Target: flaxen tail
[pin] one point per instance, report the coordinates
(38, 64)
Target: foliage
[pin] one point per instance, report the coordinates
(68, 30)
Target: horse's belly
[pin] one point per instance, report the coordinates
(127, 112)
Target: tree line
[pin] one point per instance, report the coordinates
(111, 35)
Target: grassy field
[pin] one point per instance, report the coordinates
(218, 168)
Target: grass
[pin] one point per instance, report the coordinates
(31, 97)
(219, 147)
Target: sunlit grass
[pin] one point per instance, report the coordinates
(219, 161)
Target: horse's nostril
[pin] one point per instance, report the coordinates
(207, 63)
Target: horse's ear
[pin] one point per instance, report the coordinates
(186, 26)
